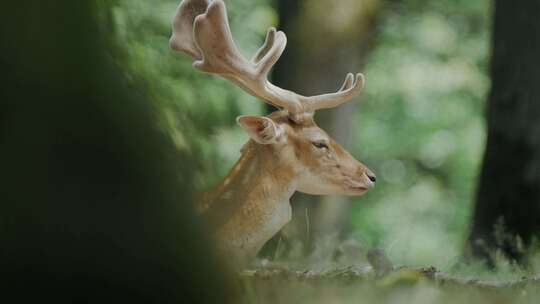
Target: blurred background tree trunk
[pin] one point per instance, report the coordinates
(508, 201)
(326, 40)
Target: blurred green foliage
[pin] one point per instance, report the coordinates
(420, 126)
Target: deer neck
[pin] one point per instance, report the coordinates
(252, 203)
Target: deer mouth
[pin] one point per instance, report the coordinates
(358, 188)
(356, 191)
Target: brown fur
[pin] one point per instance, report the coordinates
(252, 203)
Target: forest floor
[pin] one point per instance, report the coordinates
(381, 282)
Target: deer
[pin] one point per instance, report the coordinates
(286, 150)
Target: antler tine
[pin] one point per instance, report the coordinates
(276, 46)
(267, 45)
(213, 36)
(350, 89)
(349, 80)
(201, 30)
(221, 56)
(182, 27)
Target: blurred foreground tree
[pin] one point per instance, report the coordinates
(95, 198)
(326, 41)
(508, 202)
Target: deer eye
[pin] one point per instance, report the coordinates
(320, 145)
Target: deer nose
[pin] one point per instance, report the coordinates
(371, 176)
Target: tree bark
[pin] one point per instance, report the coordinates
(326, 41)
(508, 198)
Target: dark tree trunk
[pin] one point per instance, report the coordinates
(94, 201)
(326, 41)
(508, 202)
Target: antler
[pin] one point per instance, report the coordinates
(201, 30)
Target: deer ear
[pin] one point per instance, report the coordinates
(261, 129)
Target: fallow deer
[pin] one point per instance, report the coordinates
(287, 151)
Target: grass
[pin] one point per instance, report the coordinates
(324, 277)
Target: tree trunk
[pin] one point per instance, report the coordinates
(326, 41)
(95, 201)
(508, 202)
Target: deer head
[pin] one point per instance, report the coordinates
(321, 166)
